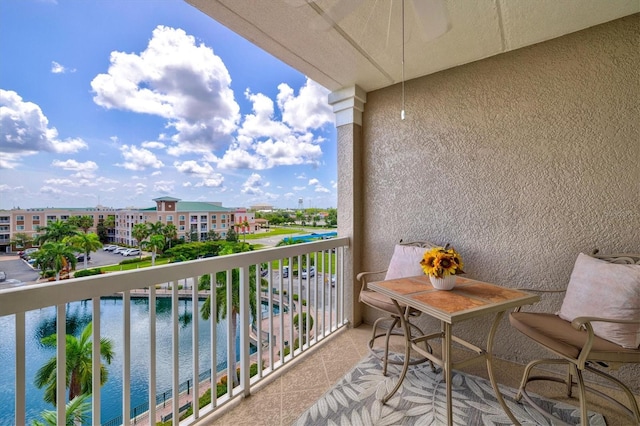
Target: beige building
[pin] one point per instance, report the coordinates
(192, 219)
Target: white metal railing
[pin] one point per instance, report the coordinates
(320, 297)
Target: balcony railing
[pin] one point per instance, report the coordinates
(319, 297)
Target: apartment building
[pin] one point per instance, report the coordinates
(192, 219)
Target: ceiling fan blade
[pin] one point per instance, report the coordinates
(432, 17)
(336, 13)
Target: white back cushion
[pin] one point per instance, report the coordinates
(607, 290)
(405, 262)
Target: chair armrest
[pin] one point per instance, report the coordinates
(533, 290)
(361, 275)
(364, 277)
(580, 322)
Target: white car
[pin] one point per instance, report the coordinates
(119, 250)
(131, 252)
(109, 247)
(312, 272)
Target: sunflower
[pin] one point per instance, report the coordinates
(441, 261)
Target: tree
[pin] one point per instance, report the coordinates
(55, 256)
(21, 239)
(155, 243)
(77, 413)
(232, 236)
(245, 226)
(221, 301)
(83, 222)
(296, 324)
(140, 232)
(55, 232)
(170, 233)
(86, 243)
(212, 235)
(79, 375)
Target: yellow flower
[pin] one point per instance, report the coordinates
(441, 261)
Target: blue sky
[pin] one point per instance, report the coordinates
(118, 102)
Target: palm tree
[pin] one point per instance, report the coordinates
(77, 413)
(170, 233)
(245, 226)
(86, 243)
(155, 243)
(221, 303)
(79, 376)
(140, 232)
(21, 239)
(83, 222)
(55, 256)
(55, 231)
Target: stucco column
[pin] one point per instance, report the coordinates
(348, 106)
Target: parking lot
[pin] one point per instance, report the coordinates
(17, 269)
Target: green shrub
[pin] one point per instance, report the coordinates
(87, 272)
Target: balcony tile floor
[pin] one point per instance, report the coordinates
(282, 401)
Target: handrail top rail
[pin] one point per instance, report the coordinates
(36, 296)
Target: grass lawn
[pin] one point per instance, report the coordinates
(273, 232)
(136, 265)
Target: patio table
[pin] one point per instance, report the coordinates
(469, 299)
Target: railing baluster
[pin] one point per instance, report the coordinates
(96, 361)
(175, 348)
(20, 369)
(245, 324)
(195, 321)
(61, 366)
(152, 354)
(126, 358)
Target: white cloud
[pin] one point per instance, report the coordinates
(313, 181)
(73, 165)
(156, 173)
(164, 187)
(174, 78)
(193, 168)
(57, 68)
(309, 110)
(253, 185)
(320, 188)
(153, 145)
(24, 130)
(299, 188)
(208, 177)
(139, 158)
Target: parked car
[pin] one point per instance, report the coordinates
(311, 273)
(110, 247)
(3, 276)
(119, 250)
(130, 252)
(285, 272)
(80, 257)
(27, 253)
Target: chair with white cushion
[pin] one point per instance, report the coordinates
(597, 328)
(405, 262)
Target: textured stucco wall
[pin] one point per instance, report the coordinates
(520, 161)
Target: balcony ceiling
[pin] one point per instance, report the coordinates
(340, 43)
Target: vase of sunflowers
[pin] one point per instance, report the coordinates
(442, 264)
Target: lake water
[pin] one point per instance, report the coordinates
(41, 323)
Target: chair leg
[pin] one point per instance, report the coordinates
(569, 380)
(386, 345)
(582, 395)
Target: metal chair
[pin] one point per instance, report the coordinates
(404, 263)
(579, 348)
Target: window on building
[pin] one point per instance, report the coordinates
(213, 226)
(181, 228)
(181, 217)
(64, 217)
(224, 216)
(213, 217)
(35, 217)
(19, 227)
(19, 217)
(169, 218)
(224, 225)
(203, 218)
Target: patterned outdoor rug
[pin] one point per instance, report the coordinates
(356, 400)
